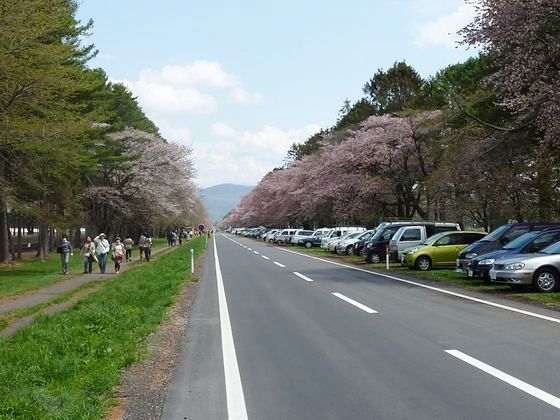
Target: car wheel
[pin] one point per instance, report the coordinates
(308, 245)
(423, 263)
(270, 241)
(373, 257)
(546, 280)
(349, 250)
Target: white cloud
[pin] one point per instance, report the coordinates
(223, 130)
(175, 134)
(242, 97)
(199, 73)
(443, 31)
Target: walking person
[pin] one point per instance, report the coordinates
(88, 254)
(148, 248)
(65, 250)
(128, 244)
(117, 253)
(141, 243)
(102, 248)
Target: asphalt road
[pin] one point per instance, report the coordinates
(332, 342)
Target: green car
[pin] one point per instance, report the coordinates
(439, 250)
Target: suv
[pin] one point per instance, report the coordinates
(496, 240)
(346, 246)
(408, 236)
(314, 239)
(374, 249)
(284, 236)
(299, 234)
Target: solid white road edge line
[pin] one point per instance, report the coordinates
(435, 289)
(301, 276)
(265, 257)
(517, 383)
(356, 304)
(279, 265)
(234, 389)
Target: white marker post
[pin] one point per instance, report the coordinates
(387, 256)
(192, 261)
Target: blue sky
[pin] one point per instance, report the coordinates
(241, 81)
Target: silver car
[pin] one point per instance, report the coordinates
(541, 270)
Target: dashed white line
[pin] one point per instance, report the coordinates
(435, 289)
(301, 276)
(356, 304)
(517, 383)
(265, 257)
(256, 252)
(249, 249)
(279, 265)
(234, 390)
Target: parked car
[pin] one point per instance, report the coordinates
(540, 270)
(408, 236)
(346, 246)
(439, 250)
(337, 232)
(284, 236)
(299, 234)
(527, 243)
(269, 236)
(496, 240)
(331, 246)
(314, 239)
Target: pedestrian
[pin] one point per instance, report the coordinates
(148, 248)
(180, 237)
(65, 251)
(117, 253)
(173, 238)
(88, 254)
(102, 248)
(128, 244)
(141, 243)
(169, 238)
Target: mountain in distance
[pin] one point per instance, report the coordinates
(220, 199)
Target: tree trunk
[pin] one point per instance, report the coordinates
(43, 241)
(4, 242)
(19, 239)
(12, 245)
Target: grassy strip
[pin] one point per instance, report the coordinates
(64, 365)
(29, 275)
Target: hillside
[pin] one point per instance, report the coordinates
(220, 199)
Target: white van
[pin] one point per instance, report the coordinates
(337, 232)
(408, 236)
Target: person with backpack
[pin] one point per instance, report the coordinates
(141, 243)
(128, 244)
(102, 248)
(148, 248)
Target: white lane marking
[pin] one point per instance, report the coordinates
(279, 265)
(249, 249)
(301, 276)
(265, 257)
(435, 289)
(517, 383)
(356, 304)
(234, 389)
(256, 252)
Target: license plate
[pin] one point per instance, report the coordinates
(470, 273)
(492, 275)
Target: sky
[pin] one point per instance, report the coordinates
(241, 81)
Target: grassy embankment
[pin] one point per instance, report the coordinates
(65, 365)
(445, 276)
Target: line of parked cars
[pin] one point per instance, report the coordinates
(516, 254)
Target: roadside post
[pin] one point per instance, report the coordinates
(192, 261)
(387, 256)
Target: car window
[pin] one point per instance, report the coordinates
(469, 238)
(522, 240)
(445, 240)
(414, 234)
(513, 234)
(542, 241)
(497, 234)
(552, 249)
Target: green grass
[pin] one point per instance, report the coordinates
(64, 365)
(29, 275)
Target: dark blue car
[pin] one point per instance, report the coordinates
(527, 243)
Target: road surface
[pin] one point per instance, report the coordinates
(276, 334)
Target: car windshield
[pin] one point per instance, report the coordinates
(433, 238)
(497, 234)
(552, 249)
(522, 240)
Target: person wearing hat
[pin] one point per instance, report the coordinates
(102, 248)
(117, 250)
